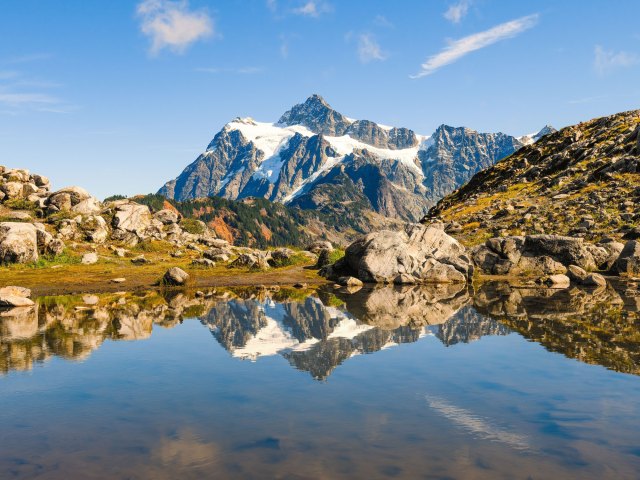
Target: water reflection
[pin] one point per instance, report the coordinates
(318, 331)
(600, 326)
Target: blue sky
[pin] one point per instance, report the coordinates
(119, 96)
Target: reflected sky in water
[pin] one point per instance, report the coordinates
(383, 383)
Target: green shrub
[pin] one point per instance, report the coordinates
(20, 204)
(113, 198)
(192, 226)
(336, 255)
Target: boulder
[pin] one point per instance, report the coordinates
(75, 194)
(89, 258)
(14, 301)
(319, 245)
(628, 262)
(18, 242)
(280, 257)
(15, 291)
(167, 217)
(61, 201)
(88, 206)
(349, 282)
(255, 260)
(203, 262)
(132, 217)
(40, 180)
(95, 228)
(535, 255)
(426, 253)
(613, 249)
(12, 190)
(566, 250)
(595, 280)
(55, 247)
(577, 274)
(175, 276)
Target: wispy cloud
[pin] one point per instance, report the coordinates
(313, 8)
(285, 42)
(171, 24)
(606, 60)
(20, 94)
(382, 21)
(463, 46)
(31, 57)
(369, 49)
(457, 11)
(19, 99)
(233, 70)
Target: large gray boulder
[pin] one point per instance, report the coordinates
(628, 262)
(132, 217)
(426, 253)
(18, 242)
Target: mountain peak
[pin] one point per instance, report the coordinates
(317, 115)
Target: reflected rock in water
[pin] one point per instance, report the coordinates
(598, 327)
(70, 328)
(316, 334)
(417, 306)
(318, 331)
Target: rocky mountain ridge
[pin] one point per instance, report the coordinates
(316, 158)
(582, 181)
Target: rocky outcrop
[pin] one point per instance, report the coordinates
(581, 181)
(421, 254)
(533, 255)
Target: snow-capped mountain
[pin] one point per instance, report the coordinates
(316, 158)
(534, 137)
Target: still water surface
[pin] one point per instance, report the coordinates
(385, 383)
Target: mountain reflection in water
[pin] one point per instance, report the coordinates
(318, 331)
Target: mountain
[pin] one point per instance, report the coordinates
(534, 137)
(316, 158)
(583, 181)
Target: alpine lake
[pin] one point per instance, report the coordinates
(446, 382)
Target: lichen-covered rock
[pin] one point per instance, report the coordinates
(18, 242)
